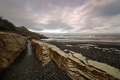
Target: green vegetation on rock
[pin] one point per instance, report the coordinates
(5, 25)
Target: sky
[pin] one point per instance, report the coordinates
(63, 16)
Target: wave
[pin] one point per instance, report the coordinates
(89, 38)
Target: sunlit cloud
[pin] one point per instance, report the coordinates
(49, 31)
(69, 16)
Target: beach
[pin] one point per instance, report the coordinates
(107, 53)
(28, 67)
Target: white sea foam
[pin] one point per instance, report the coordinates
(85, 38)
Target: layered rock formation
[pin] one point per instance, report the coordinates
(11, 45)
(77, 67)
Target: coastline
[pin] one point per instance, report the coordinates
(108, 54)
(74, 64)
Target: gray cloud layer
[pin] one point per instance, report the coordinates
(85, 16)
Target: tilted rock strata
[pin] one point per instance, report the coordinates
(11, 45)
(76, 69)
(42, 54)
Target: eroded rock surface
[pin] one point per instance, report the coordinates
(11, 45)
(77, 67)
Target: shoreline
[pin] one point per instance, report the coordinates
(74, 64)
(108, 54)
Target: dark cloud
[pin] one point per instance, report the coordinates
(68, 3)
(66, 15)
(112, 9)
(107, 8)
(102, 16)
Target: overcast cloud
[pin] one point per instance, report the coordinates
(70, 16)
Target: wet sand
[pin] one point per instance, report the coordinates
(101, 52)
(28, 67)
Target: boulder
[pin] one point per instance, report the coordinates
(11, 45)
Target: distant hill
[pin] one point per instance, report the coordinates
(5, 25)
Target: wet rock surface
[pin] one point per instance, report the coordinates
(11, 46)
(28, 67)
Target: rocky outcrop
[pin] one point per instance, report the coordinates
(11, 45)
(76, 66)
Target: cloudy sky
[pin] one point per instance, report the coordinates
(64, 16)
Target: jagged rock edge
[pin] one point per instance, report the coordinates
(72, 66)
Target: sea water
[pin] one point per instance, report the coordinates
(86, 38)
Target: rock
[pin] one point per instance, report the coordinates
(73, 66)
(11, 45)
(42, 53)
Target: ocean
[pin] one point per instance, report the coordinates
(101, 51)
(106, 39)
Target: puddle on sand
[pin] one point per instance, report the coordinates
(29, 49)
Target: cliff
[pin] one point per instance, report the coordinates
(11, 45)
(75, 65)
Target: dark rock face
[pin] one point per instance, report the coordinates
(11, 45)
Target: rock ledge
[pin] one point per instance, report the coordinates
(77, 67)
(11, 45)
